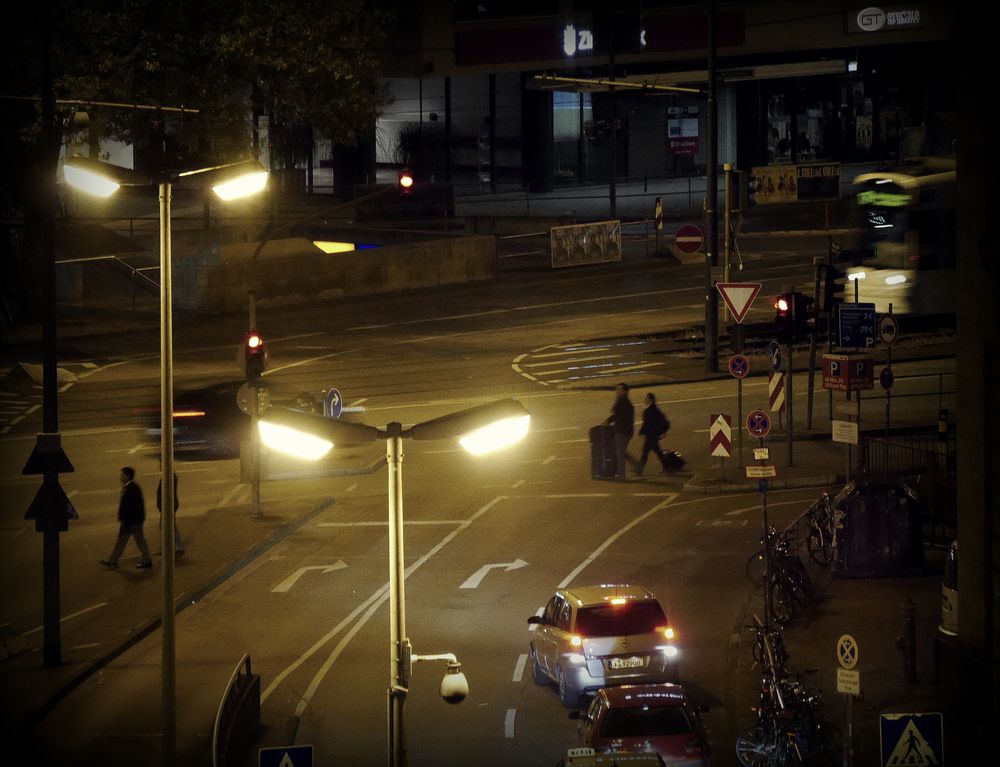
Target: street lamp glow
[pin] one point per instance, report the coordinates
(90, 182)
(293, 442)
(497, 435)
(241, 186)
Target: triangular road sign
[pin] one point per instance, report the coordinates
(738, 296)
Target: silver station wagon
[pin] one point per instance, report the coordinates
(598, 636)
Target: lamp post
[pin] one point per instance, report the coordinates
(480, 430)
(228, 182)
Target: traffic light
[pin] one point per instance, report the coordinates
(405, 183)
(784, 305)
(804, 314)
(834, 281)
(255, 354)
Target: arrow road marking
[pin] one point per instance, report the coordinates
(474, 580)
(290, 581)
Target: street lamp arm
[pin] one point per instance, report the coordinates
(461, 423)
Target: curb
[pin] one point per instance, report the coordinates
(706, 486)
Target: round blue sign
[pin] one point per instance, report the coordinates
(333, 404)
(774, 354)
(739, 366)
(758, 423)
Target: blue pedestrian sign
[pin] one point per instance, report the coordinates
(856, 326)
(333, 404)
(912, 739)
(286, 756)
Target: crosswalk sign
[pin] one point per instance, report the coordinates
(912, 740)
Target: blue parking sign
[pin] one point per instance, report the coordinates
(286, 756)
(915, 740)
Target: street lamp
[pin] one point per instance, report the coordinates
(480, 430)
(228, 182)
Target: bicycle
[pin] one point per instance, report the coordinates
(821, 541)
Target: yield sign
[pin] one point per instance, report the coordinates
(738, 296)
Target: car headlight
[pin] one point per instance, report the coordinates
(669, 650)
(575, 658)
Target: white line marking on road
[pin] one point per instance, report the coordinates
(291, 580)
(548, 460)
(15, 421)
(369, 606)
(85, 646)
(376, 523)
(229, 496)
(745, 509)
(476, 578)
(570, 441)
(351, 488)
(31, 409)
(518, 484)
(136, 449)
(508, 723)
(519, 666)
(611, 539)
(65, 618)
(534, 626)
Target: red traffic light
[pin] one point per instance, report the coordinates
(405, 182)
(782, 304)
(254, 341)
(255, 356)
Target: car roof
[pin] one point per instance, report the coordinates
(596, 595)
(629, 695)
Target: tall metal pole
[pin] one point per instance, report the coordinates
(711, 195)
(254, 419)
(168, 668)
(398, 643)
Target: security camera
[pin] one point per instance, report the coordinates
(454, 685)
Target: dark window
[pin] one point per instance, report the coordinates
(551, 611)
(620, 620)
(646, 722)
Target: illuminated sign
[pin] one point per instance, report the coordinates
(577, 40)
(876, 19)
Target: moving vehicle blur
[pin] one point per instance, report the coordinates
(208, 421)
(655, 717)
(589, 637)
(907, 216)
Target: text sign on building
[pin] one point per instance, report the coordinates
(890, 18)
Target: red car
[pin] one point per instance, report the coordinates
(649, 717)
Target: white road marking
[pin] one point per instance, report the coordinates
(229, 496)
(351, 488)
(369, 607)
(476, 578)
(508, 723)
(745, 509)
(548, 460)
(86, 646)
(65, 618)
(534, 626)
(518, 484)
(614, 537)
(519, 666)
(385, 523)
(286, 585)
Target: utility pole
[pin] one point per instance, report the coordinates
(711, 199)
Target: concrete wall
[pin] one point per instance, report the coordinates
(294, 271)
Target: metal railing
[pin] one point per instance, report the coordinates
(237, 719)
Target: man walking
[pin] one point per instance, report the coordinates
(622, 421)
(654, 426)
(131, 516)
(178, 543)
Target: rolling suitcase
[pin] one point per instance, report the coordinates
(602, 452)
(674, 461)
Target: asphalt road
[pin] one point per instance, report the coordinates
(318, 635)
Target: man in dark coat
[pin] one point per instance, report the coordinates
(622, 420)
(131, 517)
(654, 426)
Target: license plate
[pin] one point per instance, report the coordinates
(625, 663)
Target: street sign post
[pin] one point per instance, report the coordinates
(776, 392)
(848, 653)
(720, 431)
(333, 404)
(774, 355)
(739, 366)
(888, 329)
(856, 326)
(758, 423)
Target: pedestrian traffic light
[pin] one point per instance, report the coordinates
(405, 182)
(804, 314)
(783, 317)
(255, 354)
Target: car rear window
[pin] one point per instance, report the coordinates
(647, 721)
(620, 620)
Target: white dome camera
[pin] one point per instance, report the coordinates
(454, 685)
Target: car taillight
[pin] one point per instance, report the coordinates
(576, 640)
(189, 413)
(667, 631)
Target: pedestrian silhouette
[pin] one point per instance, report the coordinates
(654, 426)
(622, 421)
(131, 517)
(178, 543)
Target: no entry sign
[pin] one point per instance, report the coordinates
(689, 239)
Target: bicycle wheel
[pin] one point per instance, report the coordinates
(820, 545)
(781, 601)
(755, 568)
(754, 748)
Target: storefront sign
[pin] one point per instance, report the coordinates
(888, 19)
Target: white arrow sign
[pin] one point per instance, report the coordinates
(290, 581)
(478, 576)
